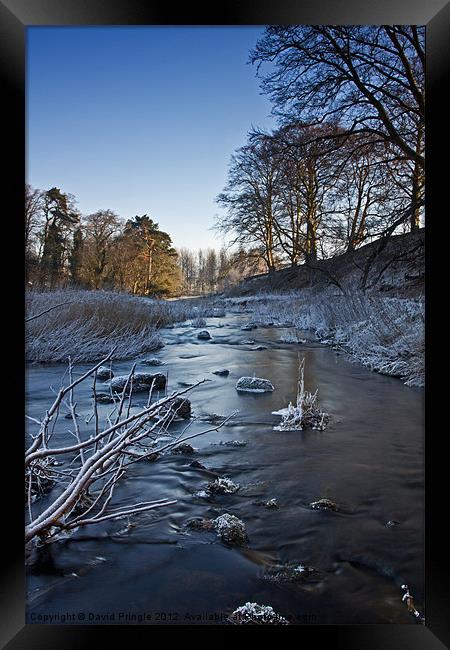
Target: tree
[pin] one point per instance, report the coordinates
(76, 256)
(308, 175)
(188, 269)
(154, 269)
(100, 228)
(59, 216)
(250, 198)
(369, 78)
(33, 214)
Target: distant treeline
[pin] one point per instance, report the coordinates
(103, 251)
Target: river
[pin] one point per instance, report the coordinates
(369, 460)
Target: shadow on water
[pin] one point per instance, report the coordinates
(369, 461)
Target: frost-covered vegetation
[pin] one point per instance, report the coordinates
(305, 413)
(85, 325)
(384, 333)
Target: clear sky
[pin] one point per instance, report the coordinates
(142, 119)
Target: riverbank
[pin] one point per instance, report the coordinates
(86, 325)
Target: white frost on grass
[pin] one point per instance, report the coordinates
(254, 385)
(85, 325)
(383, 333)
(292, 337)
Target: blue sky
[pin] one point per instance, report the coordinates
(142, 119)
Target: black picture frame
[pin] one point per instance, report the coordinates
(15, 17)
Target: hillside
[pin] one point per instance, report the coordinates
(397, 270)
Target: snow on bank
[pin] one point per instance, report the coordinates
(384, 333)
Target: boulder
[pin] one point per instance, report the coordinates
(233, 443)
(204, 335)
(324, 504)
(152, 362)
(197, 465)
(183, 449)
(222, 373)
(254, 385)
(248, 327)
(180, 406)
(200, 524)
(230, 529)
(141, 381)
(222, 485)
(104, 373)
(104, 398)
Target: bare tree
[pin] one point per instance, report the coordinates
(250, 198)
(100, 229)
(369, 78)
(99, 462)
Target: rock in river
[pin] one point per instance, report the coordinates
(223, 372)
(184, 448)
(153, 361)
(222, 485)
(180, 406)
(324, 504)
(104, 373)
(230, 529)
(204, 335)
(141, 381)
(254, 385)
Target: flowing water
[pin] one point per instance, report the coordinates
(369, 461)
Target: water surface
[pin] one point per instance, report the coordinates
(369, 460)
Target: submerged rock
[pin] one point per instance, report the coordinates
(104, 373)
(230, 529)
(204, 335)
(324, 504)
(271, 504)
(200, 524)
(254, 385)
(104, 398)
(180, 406)
(141, 381)
(287, 573)
(197, 465)
(183, 449)
(392, 523)
(153, 362)
(254, 614)
(233, 443)
(248, 327)
(222, 373)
